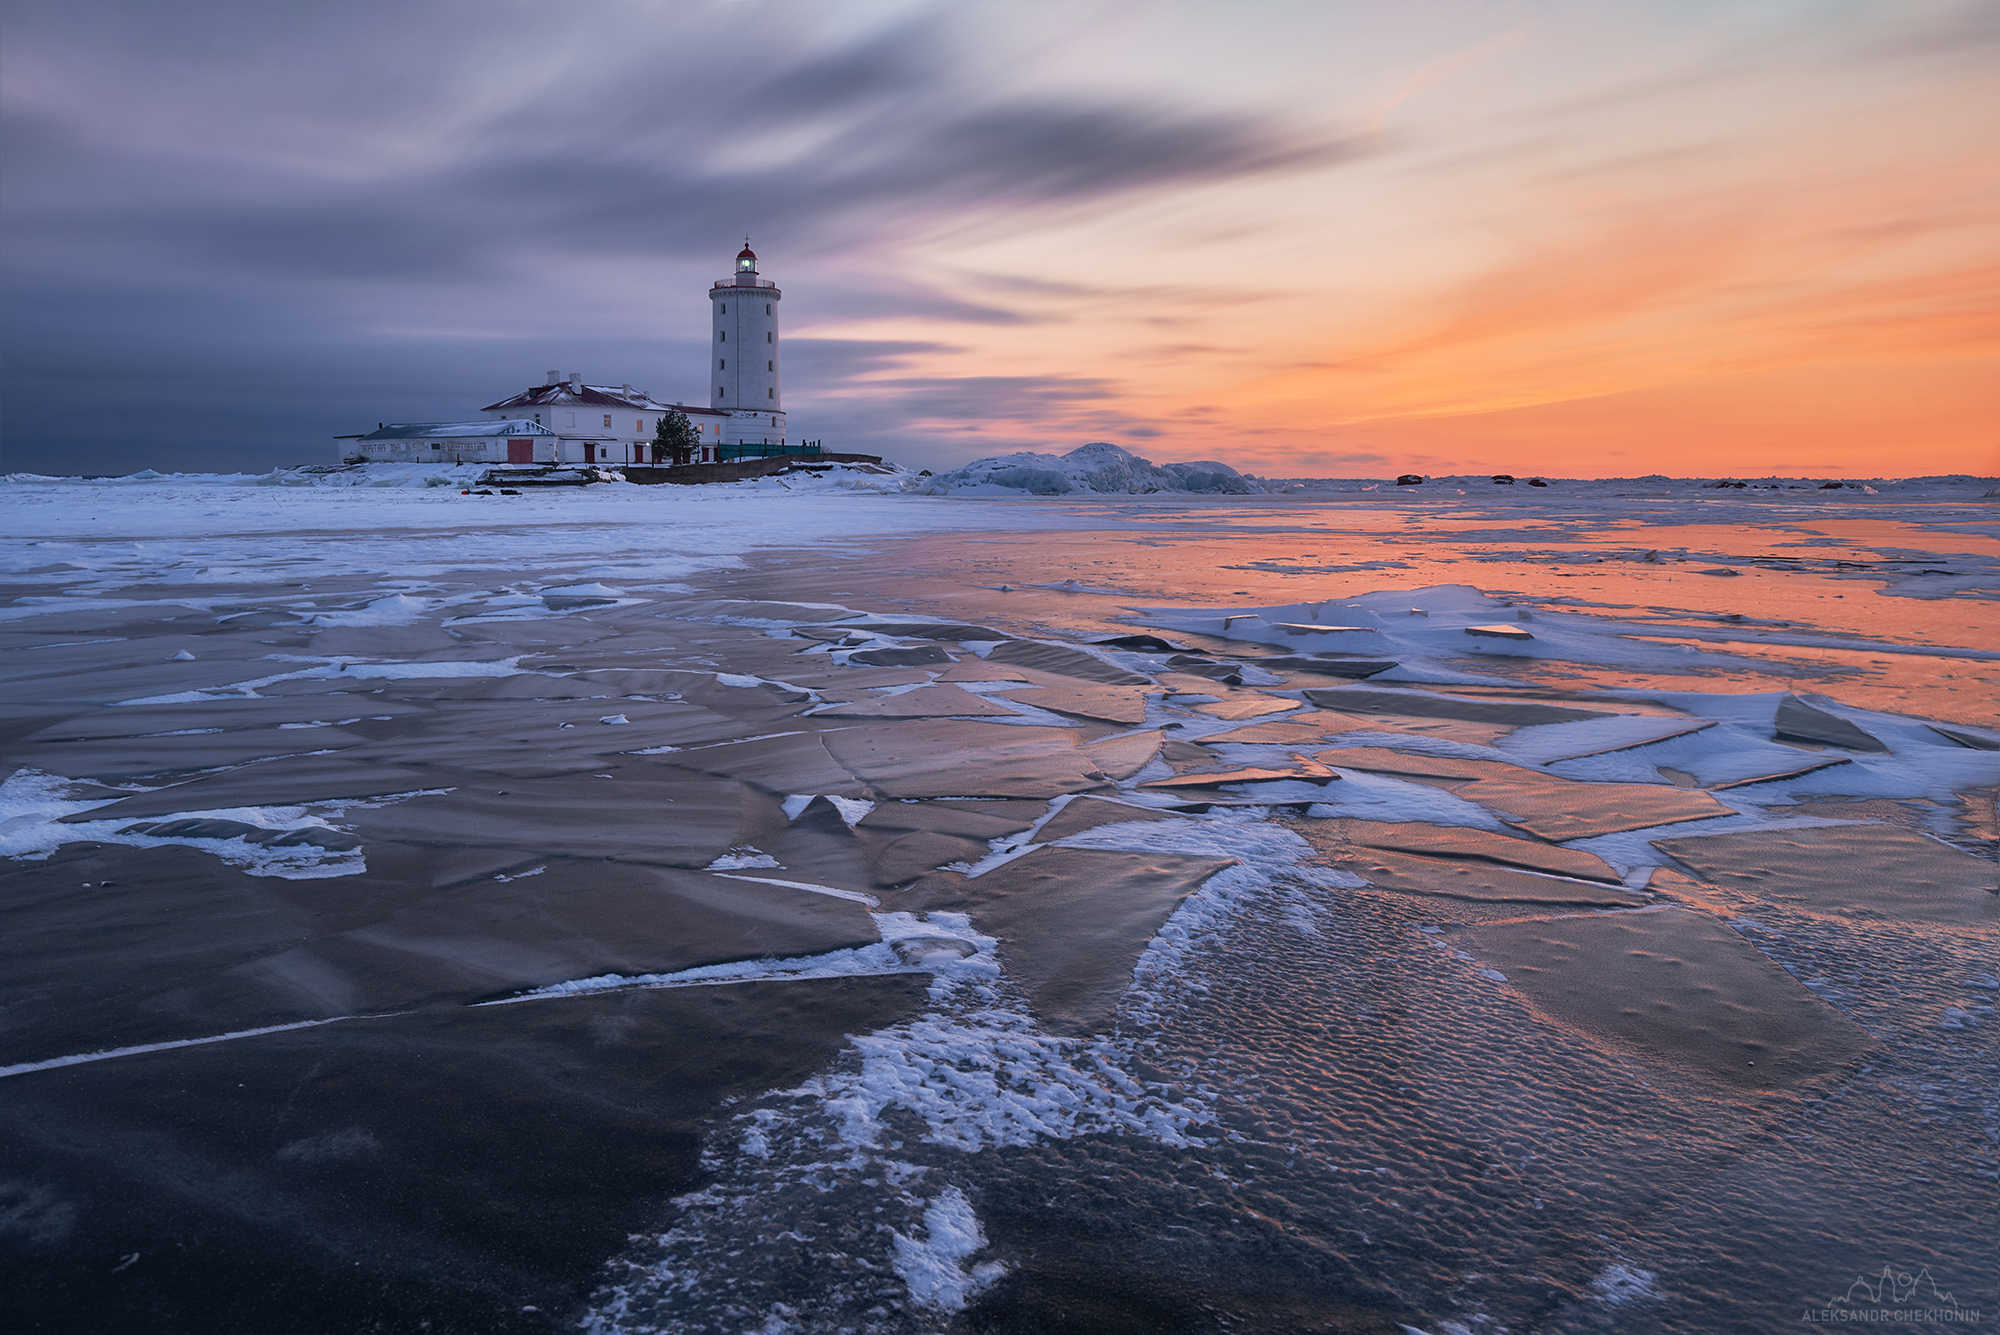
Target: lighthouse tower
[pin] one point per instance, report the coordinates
(743, 361)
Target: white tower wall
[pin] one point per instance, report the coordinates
(743, 364)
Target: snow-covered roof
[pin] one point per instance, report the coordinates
(564, 395)
(430, 430)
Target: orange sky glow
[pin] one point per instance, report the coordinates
(1683, 239)
(1308, 238)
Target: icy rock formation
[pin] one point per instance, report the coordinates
(1099, 467)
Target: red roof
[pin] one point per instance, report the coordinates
(589, 396)
(746, 254)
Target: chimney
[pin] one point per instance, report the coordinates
(555, 378)
(576, 380)
(628, 391)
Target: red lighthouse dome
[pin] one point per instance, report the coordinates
(746, 259)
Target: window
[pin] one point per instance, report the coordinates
(607, 421)
(722, 335)
(771, 394)
(725, 308)
(769, 338)
(569, 419)
(722, 364)
(640, 427)
(767, 308)
(718, 391)
(770, 366)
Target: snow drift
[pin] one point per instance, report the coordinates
(1099, 467)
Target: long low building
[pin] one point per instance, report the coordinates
(519, 441)
(612, 424)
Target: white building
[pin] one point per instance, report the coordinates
(515, 441)
(575, 423)
(606, 424)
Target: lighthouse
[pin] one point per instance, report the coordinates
(743, 356)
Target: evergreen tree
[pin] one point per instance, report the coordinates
(674, 439)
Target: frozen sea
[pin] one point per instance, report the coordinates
(740, 909)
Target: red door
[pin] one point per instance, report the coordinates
(520, 451)
(589, 453)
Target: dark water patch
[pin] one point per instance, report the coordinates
(230, 715)
(569, 920)
(1116, 1235)
(1306, 770)
(452, 1171)
(125, 758)
(633, 813)
(1088, 813)
(1679, 988)
(1301, 729)
(940, 701)
(1507, 713)
(1452, 841)
(1849, 871)
(819, 847)
(1559, 811)
(96, 940)
(1468, 878)
(1072, 923)
(1111, 705)
(1063, 662)
(1415, 764)
(1123, 757)
(920, 656)
(946, 758)
(1798, 721)
(795, 763)
(432, 644)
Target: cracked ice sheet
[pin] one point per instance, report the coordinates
(973, 1073)
(883, 957)
(31, 828)
(329, 669)
(861, 1142)
(1431, 648)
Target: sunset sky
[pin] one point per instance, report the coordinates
(1582, 238)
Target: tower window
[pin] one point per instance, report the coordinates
(718, 391)
(768, 338)
(772, 394)
(767, 308)
(725, 308)
(722, 335)
(722, 364)
(770, 366)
